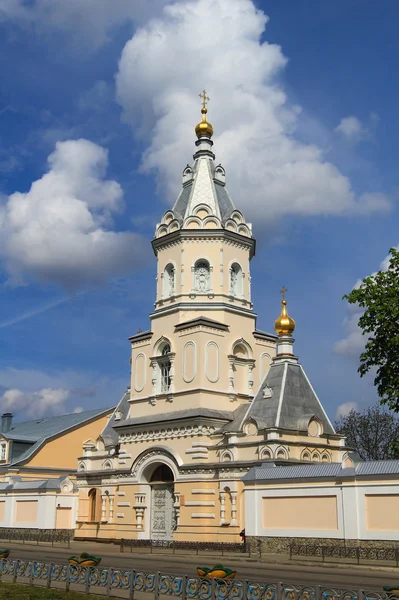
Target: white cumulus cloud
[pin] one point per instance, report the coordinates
(343, 410)
(88, 22)
(271, 172)
(352, 129)
(61, 229)
(45, 402)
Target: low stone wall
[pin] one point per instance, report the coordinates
(281, 545)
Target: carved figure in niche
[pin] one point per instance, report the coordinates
(202, 277)
(171, 274)
(233, 282)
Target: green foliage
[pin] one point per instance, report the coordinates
(373, 434)
(378, 295)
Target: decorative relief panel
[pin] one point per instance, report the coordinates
(168, 433)
(139, 372)
(212, 362)
(189, 362)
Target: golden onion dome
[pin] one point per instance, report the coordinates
(204, 128)
(284, 325)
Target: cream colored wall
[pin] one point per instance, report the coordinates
(64, 451)
(63, 517)
(2, 511)
(382, 512)
(220, 254)
(307, 512)
(26, 511)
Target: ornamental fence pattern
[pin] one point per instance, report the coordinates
(114, 581)
(197, 547)
(355, 554)
(49, 536)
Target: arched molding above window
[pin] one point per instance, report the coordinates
(281, 453)
(230, 225)
(154, 457)
(315, 457)
(306, 455)
(212, 223)
(265, 453)
(107, 465)
(242, 349)
(326, 457)
(237, 216)
(226, 456)
(168, 217)
(202, 211)
(81, 466)
(160, 345)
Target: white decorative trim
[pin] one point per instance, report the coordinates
(203, 491)
(198, 503)
(120, 515)
(168, 433)
(123, 504)
(214, 344)
(280, 401)
(121, 493)
(189, 379)
(142, 356)
(202, 515)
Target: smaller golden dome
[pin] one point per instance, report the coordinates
(284, 325)
(204, 128)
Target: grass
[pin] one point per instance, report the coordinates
(12, 591)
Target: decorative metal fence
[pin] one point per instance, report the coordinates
(129, 582)
(351, 553)
(49, 536)
(197, 547)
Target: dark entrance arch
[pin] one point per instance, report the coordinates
(163, 513)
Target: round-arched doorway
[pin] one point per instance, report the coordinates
(163, 512)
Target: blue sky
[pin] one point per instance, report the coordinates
(304, 110)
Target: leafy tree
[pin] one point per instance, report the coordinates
(378, 294)
(373, 434)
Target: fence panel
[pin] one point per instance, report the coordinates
(354, 554)
(165, 584)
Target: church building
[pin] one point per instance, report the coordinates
(212, 395)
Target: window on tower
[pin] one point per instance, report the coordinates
(168, 281)
(236, 281)
(202, 276)
(165, 367)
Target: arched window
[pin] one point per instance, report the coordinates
(168, 281)
(165, 367)
(236, 281)
(94, 505)
(162, 474)
(202, 276)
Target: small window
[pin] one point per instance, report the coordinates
(168, 281)
(3, 451)
(165, 367)
(236, 281)
(202, 276)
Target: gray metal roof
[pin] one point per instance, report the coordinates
(222, 198)
(270, 472)
(39, 430)
(293, 401)
(26, 486)
(190, 413)
(109, 435)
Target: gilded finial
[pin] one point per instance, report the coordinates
(204, 128)
(284, 325)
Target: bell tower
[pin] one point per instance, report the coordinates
(203, 348)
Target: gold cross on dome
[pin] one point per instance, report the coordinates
(283, 292)
(204, 97)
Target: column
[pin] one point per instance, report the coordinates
(176, 506)
(233, 508)
(103, 507)
(139, 507)
(111, 509)
(222, 496)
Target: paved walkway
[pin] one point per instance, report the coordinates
(271, 568)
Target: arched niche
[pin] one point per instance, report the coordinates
(236, 280)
